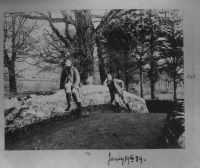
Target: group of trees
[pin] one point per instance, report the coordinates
(20, 42)
(147, 42)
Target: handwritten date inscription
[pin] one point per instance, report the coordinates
(127, 159)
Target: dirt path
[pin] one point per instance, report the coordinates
(101, 130)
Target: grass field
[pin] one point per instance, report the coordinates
(103, 129)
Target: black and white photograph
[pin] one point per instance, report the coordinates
(94, 79)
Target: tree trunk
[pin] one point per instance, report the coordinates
(101, 61)
(12, 79)
(127, 81)
(84, 29)
(152, 83)
(152, 91)
(152, 71)
(174, 76)
(102, 72)
(125, 71)
(141, 77)
(175, 87)
(118, 71)
(11, 66)
(141, 82)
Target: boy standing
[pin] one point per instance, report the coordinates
(116, 89)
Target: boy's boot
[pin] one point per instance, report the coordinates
(127, 105)
(117, 108)
(69, 102)
(79, 109)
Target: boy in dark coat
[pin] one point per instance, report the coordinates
(70, 81)
(116, 89)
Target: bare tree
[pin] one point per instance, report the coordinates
(81, 46)
(51, 54)
(18, 44)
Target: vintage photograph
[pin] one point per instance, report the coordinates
(94, 79)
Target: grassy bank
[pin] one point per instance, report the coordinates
(103, 129)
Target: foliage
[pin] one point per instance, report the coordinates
(152, 41)
(172, 48)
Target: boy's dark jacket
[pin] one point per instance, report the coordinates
(70, 74)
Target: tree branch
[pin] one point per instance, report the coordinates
(42, 16)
